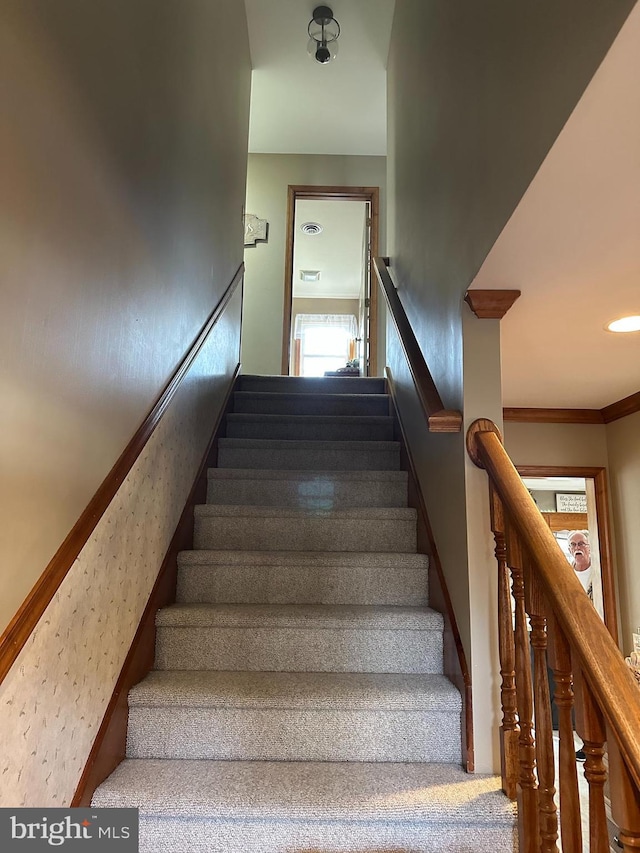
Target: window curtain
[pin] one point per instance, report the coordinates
(348, 322)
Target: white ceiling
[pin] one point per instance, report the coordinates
(301, 107)
(337, 252)
(555, 484)
(572, 247)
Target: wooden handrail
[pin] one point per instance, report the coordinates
(585, 662)
(438, 418)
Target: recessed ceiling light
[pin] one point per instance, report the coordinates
(625, 324)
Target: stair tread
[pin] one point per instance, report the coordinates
(293, 395)
(329, 791)
(344, 559)
(335, 616)
(257, 417)
(307, 476)
(296, 690)
(357, 513)
(304, 443)
(314, 384)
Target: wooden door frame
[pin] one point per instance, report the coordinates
(297, 191)
(599, 476)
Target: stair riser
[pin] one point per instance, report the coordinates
(312, 385)
(305, 459)
(309, 405)
(252, 734)
(256, 533)
(324, 493)
(301, 585)
(298, 649)
(281, 835)
(311, 431)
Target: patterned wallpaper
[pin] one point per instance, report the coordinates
(53, 700)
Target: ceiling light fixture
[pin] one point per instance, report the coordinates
(323, 31)
(625, 324)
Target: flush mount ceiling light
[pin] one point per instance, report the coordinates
(311, 228)
(625, 324)
(323, 31)
(310, 275)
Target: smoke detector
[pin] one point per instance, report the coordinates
(311, 228)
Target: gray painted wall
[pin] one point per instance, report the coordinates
(124, 144)
(477, 93)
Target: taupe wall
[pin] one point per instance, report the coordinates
(268, 178)
(476, 96)
(623, 442)
(124, 151)
(571, 445)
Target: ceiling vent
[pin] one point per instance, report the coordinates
(311, 228)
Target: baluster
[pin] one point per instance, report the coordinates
(509, 730)
(542, 704)
(527, 795)
(560, 661)
(625, 798)
(590, 727)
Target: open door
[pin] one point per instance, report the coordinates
(574, 503)
(330, 311)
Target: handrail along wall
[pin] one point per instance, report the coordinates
(438, 418)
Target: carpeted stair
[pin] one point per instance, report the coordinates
(298, 702)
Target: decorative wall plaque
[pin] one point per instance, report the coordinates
(571, 503)
(255, 229)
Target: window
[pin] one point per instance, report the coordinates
(325, 342)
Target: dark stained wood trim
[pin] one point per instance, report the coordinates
(566, 520)
(309, 191)
(109, 747)
(599, 475)
(553, 416)
(454, 658)
(287, 308)
(620, 409)
(437, 417)
(628, 406)
(490, 304)
(21, 626)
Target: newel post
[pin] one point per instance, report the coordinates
(509, 730)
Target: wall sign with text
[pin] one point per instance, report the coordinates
(571, 503)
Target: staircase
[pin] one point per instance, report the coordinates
(298, 702)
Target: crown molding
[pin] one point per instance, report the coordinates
(628, 406)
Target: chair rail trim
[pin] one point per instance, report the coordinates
(20, 628)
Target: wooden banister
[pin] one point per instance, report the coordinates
(438, 418)
(581, 651)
